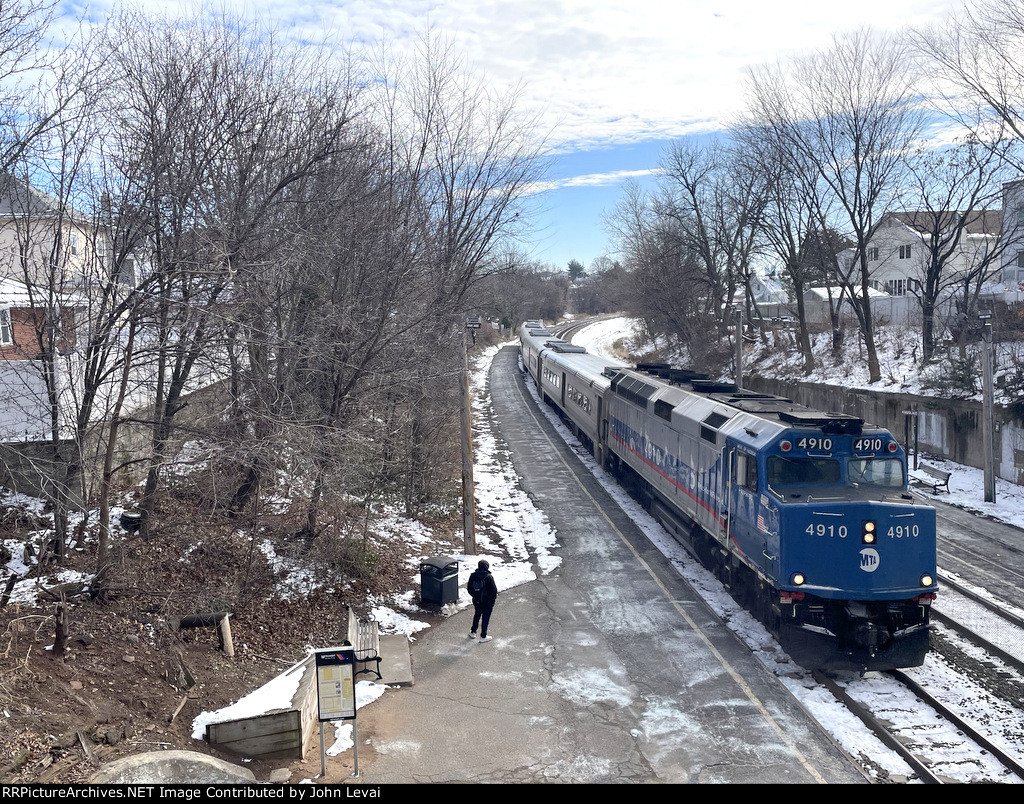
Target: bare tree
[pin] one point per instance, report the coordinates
(36, 92)
(948, 191)
(849, 112)
(789, 218)
(665, 280)
(693, 198)
(417, 208)
(975, 60)
(46, 145)
(216, 124)
(521, 289)
(470, 152)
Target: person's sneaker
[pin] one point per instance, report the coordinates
(485, 639)
(472, 634)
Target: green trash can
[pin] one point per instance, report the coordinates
(439, 580)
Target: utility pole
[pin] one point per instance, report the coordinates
(989, 431)
(738, 318)
(468, 505)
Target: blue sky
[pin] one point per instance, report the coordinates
(613, 82)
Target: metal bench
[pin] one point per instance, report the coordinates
(933, 478)
(364, 636)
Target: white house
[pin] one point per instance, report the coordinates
(1011, 274)
(898, 253)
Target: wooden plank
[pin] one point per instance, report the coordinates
(233, 730)
(307, 704)
(227, 644)
(275, 733)
(178, 708)
(87, 747)
(284, 733)
(279, 745)
(48, 776)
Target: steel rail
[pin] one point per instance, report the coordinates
(1010, 762)
(996, 607)
(890, 740)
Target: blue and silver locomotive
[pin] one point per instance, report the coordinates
(805, 516)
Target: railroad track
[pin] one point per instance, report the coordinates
(566, 330)
(1003, 635)
(989, 563)
(938, 745)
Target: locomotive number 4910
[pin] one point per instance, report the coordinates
(814, 443)
(820, 529)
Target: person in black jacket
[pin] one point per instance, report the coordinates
(484, 591)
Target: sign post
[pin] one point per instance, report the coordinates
(336, 695)
(738, 319)
(468, 503)
(908, 416)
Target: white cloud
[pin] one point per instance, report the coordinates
(609, 178)
(601, 72)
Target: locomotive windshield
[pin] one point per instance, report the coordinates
(886, 472)
(786, 471)
(783, 471)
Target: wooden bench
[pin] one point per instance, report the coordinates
(364, 636)
(933, 478)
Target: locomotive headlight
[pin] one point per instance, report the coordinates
(797, 579)
(927, 580)
(868, 533)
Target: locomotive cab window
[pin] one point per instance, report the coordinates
(801, 471)
(745, 471)
(887, 472)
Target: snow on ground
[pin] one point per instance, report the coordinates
(614, 338)
(276, 695)
(506, 517)
(898, 349)
(25, 592)
(967, 491)
(518, 541)
(512, 534)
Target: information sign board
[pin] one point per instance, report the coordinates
(335, 683)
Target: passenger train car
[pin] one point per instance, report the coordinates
(804, 515)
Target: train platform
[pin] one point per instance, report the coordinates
(605, 669)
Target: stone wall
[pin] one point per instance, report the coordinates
(29, 467)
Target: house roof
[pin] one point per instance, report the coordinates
(19, 199)
(979, 221)
(16, 294)
(823, 293)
